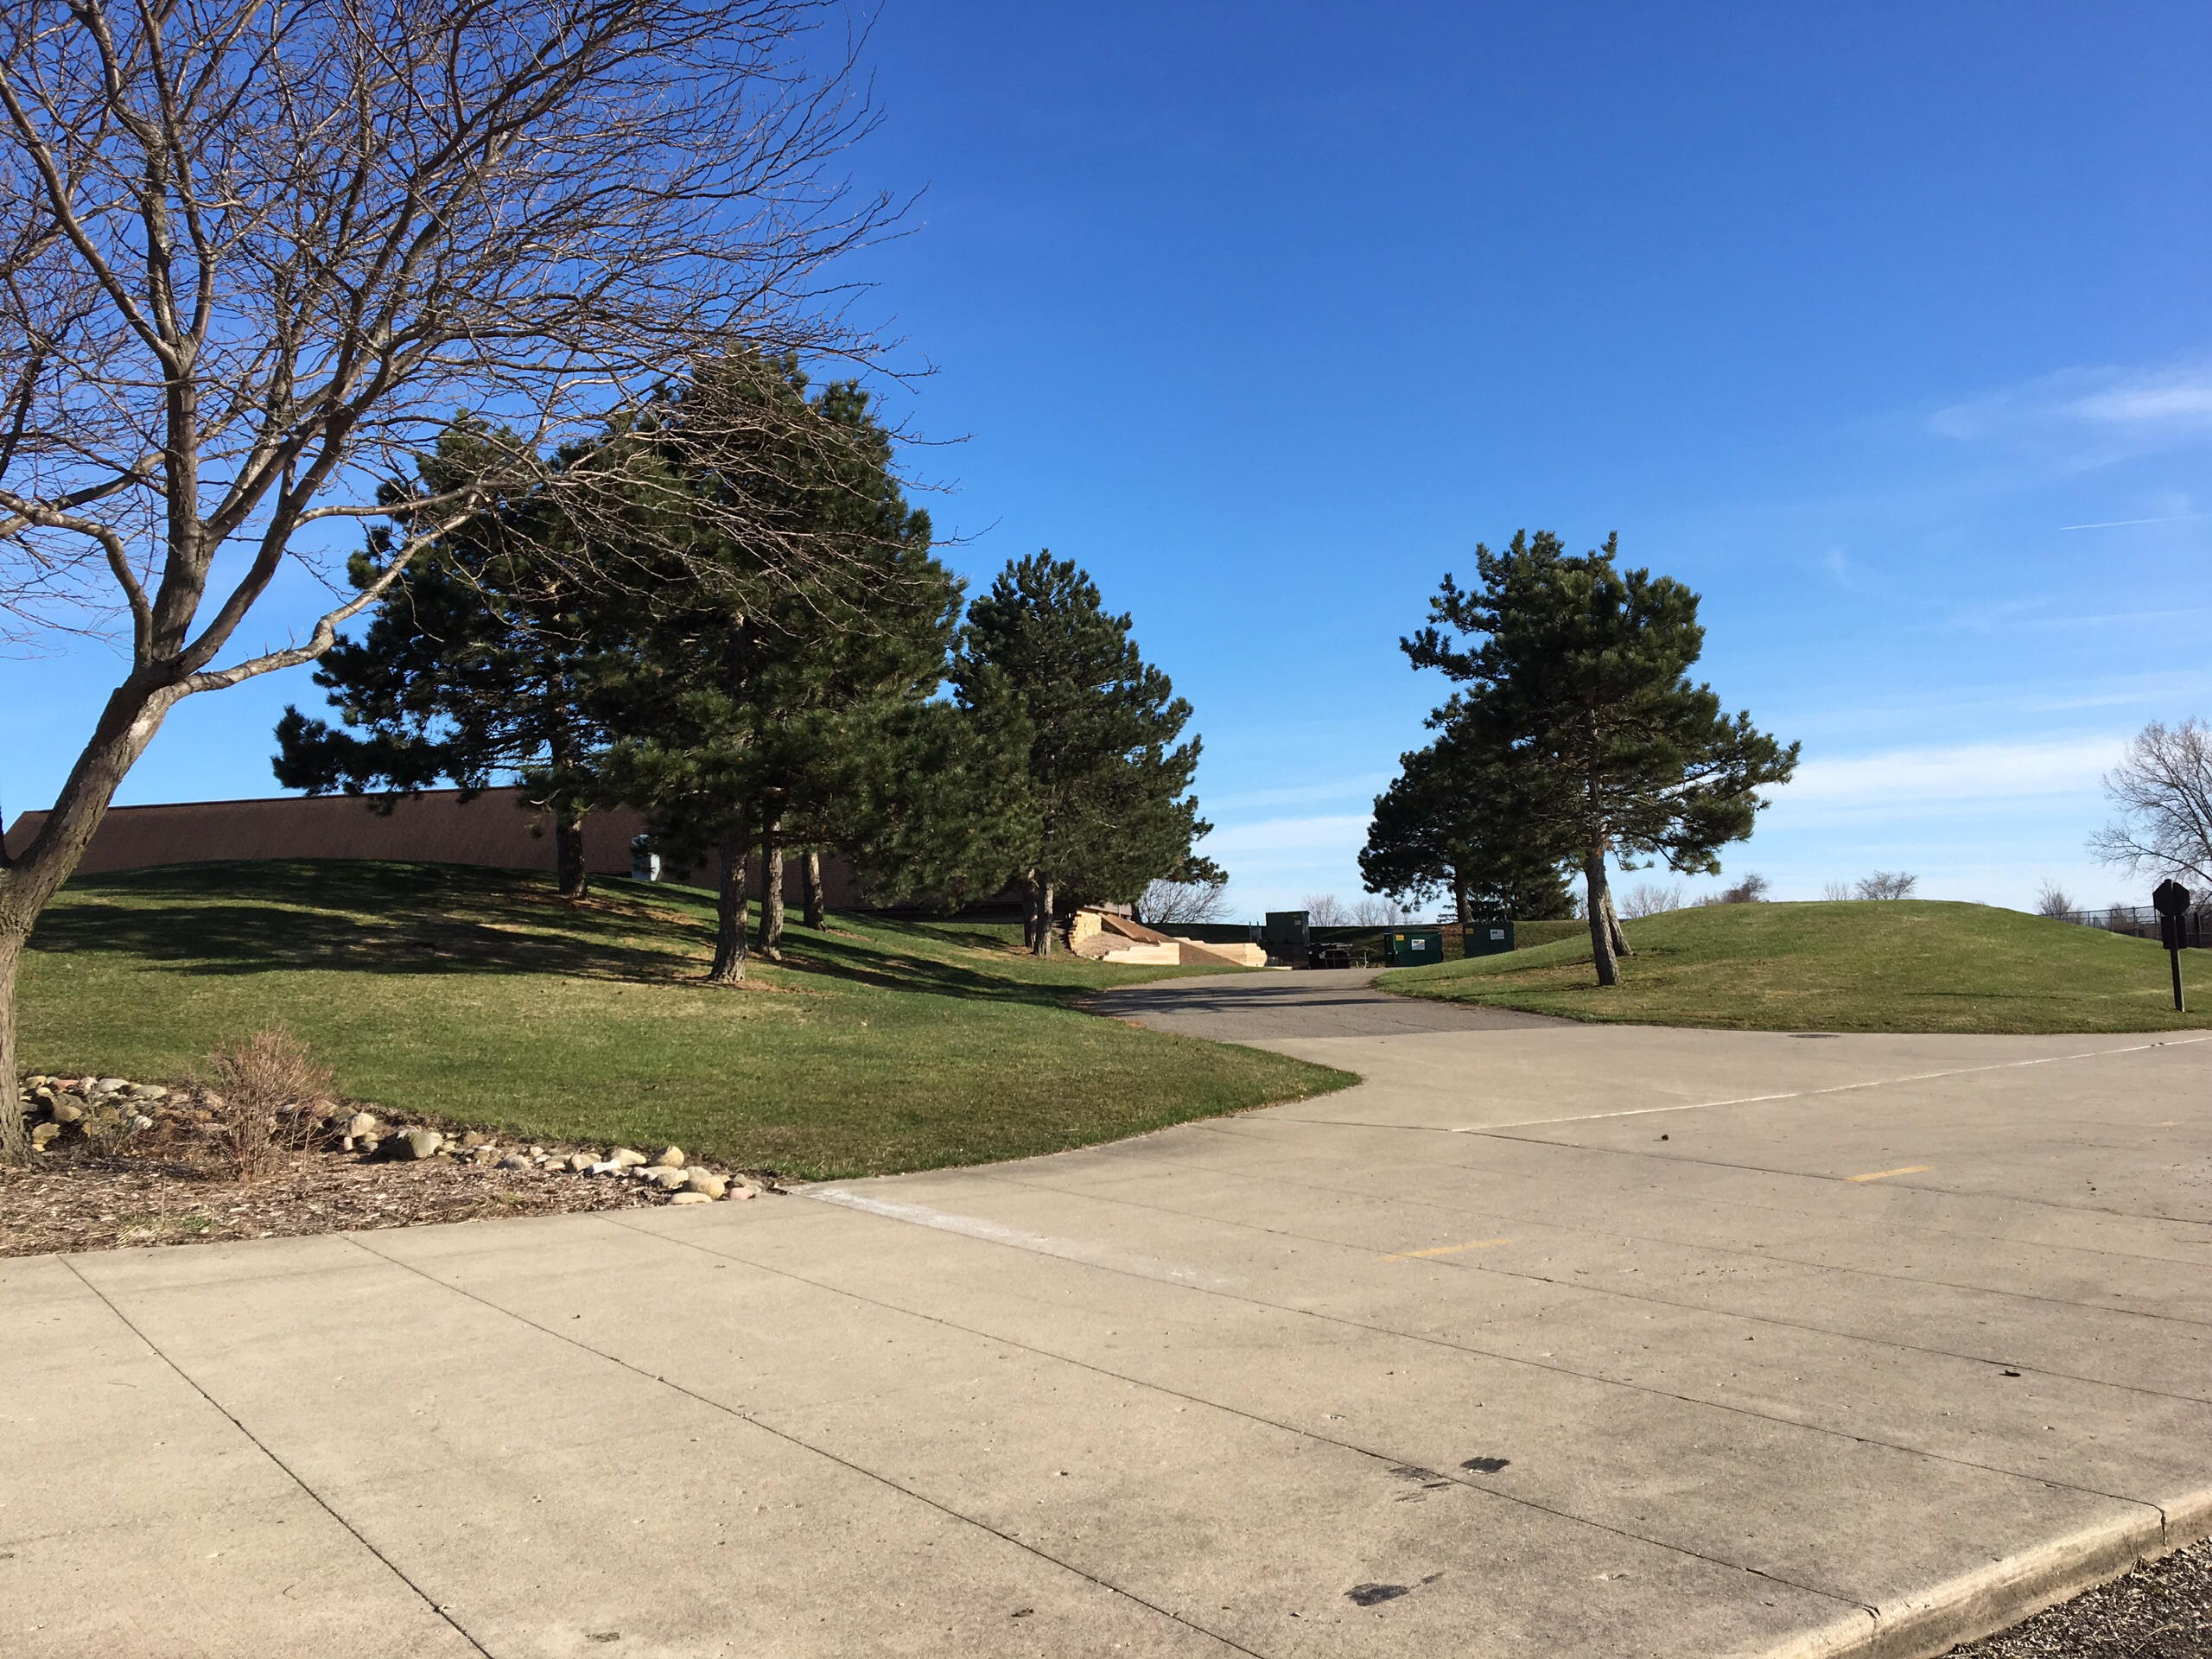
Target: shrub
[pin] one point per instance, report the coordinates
(110, 1124)
(1751, 890)
(1887, 884)
(268, 1101)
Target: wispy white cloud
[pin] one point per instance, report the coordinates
(2117, 410)
(1363, 789)
(1336, 834)
(1847, 572)
(2124, 523)
(1943, 782)
(2180, 395)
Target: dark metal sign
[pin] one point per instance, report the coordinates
(2171, 901)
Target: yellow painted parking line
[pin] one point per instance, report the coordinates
(1884, 1174)
(1447, 1249)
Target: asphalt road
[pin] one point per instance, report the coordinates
(1548, 1339)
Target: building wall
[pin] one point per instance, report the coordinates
(436, 827)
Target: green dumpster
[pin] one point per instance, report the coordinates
(1485, 938)
(1411, 947)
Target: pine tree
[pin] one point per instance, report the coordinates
(948, 817)
(755, 705)
(1103, 808)
(1449, 821)
(1581, 677)
(869, 642)
(471, 668)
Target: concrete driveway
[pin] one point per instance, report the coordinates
(1546, 1340)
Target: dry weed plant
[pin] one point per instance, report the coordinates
(269, 1100)
(111, 1125)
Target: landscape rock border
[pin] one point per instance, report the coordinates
(112, 1112)
(120, 1163)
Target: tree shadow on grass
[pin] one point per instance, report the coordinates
(364, 918)
(880, 964)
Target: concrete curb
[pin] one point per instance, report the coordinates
(1997, 1597)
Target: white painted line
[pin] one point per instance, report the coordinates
(992, 1232)
(1838, 1089)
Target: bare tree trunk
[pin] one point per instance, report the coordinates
(132, 714)
(817, 913)
(730, 910)
(186, 382)
(15, 1134)
(568, 852)
(1601, 918)
(1043, 946)
(1030, 927)
(772, 886)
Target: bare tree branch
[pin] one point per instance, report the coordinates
(2162, 788)
(254, 256)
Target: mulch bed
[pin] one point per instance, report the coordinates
(2160, 1610)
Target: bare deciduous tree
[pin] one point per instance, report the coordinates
(1325, 910)
(1887, 884)
(252, 256)
(1166, 903)
(1650, 898)
(2051, 900)
(1374, 910)
(1838, 891)
(2162, 788)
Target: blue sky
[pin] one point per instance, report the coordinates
(1887, 329)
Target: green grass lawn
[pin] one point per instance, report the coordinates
(478, 996)
(1904, 965)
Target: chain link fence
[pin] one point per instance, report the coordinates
(2141, 921)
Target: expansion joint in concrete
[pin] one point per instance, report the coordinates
(788, 1438)
(1387, 1460)
(277, 1462)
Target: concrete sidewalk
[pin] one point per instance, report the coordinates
(1885, 1339)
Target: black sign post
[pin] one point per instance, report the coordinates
(2171, 902)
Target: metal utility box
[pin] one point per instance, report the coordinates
(1285, 936)
(1485, 938)
(1412, 947)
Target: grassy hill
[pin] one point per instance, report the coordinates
(1907, 965)
(478, 996)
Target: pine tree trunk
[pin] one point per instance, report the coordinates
(568, 820)
(1613, 926)
(730, 911)
(1029, 925)
(1600, 907)
(568, 852)
(15, 1132)
(818, 913)
(772, 887)
(1043, 946)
